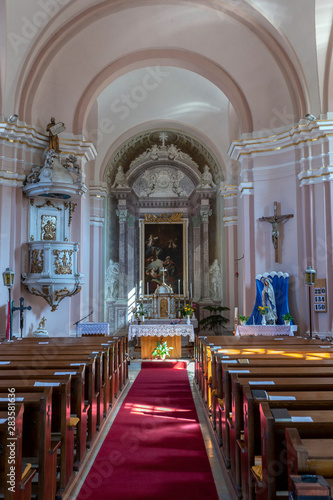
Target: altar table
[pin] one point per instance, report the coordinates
(151, 334)
(244, 330)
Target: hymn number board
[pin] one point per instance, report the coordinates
(320, 295)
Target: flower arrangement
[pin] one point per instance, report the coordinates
(161, 350)
(263, 310)
(243, 319)
(287, 317)
(187, 310)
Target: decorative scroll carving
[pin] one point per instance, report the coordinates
(58, 295)
(73, 167)
(71, 207)
(48, 204)
(48, 227)
(36, 261)
(155, 151)
(63, 261)
(177, 217)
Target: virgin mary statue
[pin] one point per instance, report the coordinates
(268, 300)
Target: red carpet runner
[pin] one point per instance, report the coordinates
(154, 449)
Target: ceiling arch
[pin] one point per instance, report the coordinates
(164, 57)
(41, 55)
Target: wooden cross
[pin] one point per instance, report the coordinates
(275, 220)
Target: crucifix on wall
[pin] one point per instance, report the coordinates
(275, 220)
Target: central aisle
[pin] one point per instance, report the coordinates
(155, 448)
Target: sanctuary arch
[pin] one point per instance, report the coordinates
(162, 189)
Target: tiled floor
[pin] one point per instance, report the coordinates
(212, 453)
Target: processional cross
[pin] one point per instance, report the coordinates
(275, 220)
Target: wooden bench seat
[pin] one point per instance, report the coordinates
(316, 424)
(12, 485)
(60, 410)
(37, 446)
(308, 456)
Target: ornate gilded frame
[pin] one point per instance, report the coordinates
(165, 228)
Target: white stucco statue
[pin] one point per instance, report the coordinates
(120, 179)
(207, 178)
(112, 280)
(215, 281)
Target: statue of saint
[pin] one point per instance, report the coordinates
(207, 178)
(54, 129)
(112, 280)
(215, 281)
(120, 179)
(268, 300)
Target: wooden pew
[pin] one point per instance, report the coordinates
(38, 448)
(308, 456)
(62, 430)
(273, 445)
(248, 443)
(13, 484)
(79, 407)
(91, 395)
(52, 348)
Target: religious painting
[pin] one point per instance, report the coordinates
(164, 250)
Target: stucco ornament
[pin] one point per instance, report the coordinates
(164, 182)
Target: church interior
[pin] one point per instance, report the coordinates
(166, 191)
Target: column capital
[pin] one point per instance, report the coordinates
(123, 215)
(205, 213)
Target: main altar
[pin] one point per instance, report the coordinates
(160, 323)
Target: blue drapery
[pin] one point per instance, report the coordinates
(280, 283)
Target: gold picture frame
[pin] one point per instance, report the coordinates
(164, 245)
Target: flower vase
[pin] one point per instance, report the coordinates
(188, 319)
(287, 322)
(263, 321)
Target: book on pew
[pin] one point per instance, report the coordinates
(259, 394)
(310, 486)
(281, 414)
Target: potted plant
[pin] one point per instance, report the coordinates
(243, 319)
(140, 312)
(161, 350)
(214, 321)
(287, 318)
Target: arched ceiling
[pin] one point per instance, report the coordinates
(265, 63)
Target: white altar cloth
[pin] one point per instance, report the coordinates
(161, 331)
(91, 328)
(244, 330)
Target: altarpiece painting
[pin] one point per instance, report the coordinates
(164, 245)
